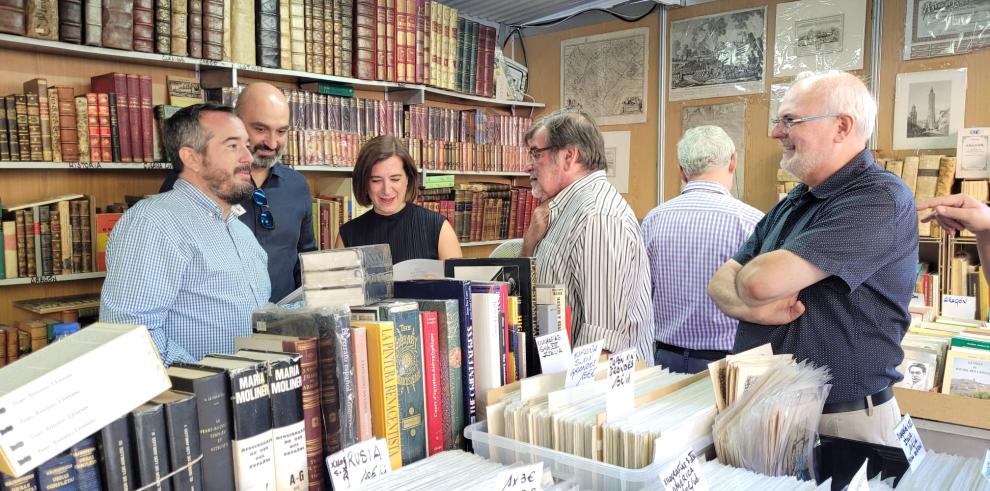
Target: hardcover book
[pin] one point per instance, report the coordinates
(382, 377)
(70, 21)
(215, 430)
(12, 16)
(116, 456)
(151, 444)
(182, 429)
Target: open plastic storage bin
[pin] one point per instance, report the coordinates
(586, 473)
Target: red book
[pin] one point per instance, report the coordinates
(104, 224)
(103, 116)
(117, 83)
(134, 108)
(93, 125)
(432, 383)
(147, 123)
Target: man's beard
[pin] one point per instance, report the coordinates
(223, 185)
(261, 162)
(801, 164)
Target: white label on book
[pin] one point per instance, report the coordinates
(620, 397)
(958, 306)
(584, 361)
(359, 464)
(684, 474)
(910, 441)
(555, 352)
(859, 480)
(524, 478)
(986, 465)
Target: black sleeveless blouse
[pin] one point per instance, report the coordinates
(412, 233)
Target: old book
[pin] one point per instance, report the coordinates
(54, 126)
(297, 34)
(389, 40)
(362, 389)
(946, 176)
(144, 26)
(106, 131)
(13, 134)
(134, 118)
(909, 173)
(213, 34)
(365, 39)
(266, 17)
(42, 19)
(195, 29)
(10, 247)
(422, 40)
(243, 43)
(12, 16)
(118, 25)
(70, 21)
(179, 44)
(307, 349)
(58, 473)
(399, 43)
(318, 36)
(252, 420)
(383, 380)
(20, 112)
(93, 23)
(288, 425)
(182, 429)
(39, 87)
(215, 430)
(20, 222)
(381, 48)
(228, 30)
(27, 482)
(56, 230)
(151, 445)
(147, 121)
(330, 14)
(284, 35)
(45, 233)
(346, 39)
(114, 127)
(86, 465)
(163, 26)
(34, 127)
(68, 128)
(94, 127)
(4, 142)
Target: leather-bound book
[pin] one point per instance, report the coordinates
(92, 34)
(284, 34)
(70, 21)
(266, 33)
(195, 26)
(180, 28)
(365, 41)
(297, 34)
(346, 39)
(42, 19)
(144, 25)
(213, 29)
(118, 24)
(243, 49)
(163, 26)
(12, 16)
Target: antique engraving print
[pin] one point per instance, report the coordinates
(730, 117)
(945, 27)
(617, 158)
(718, 55)
(819, 35)
(605, 75)
(928, 109)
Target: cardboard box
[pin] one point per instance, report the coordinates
(965, 411)
(71, 389)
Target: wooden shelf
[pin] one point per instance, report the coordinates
(474, 173)
(408, 92)
(52, 279)
(484, 243)
(13, 165)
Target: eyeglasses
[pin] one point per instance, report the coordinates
(265, 218)
(534, 153)
(787, 122)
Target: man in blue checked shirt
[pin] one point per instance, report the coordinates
(180, 262)
(687, 239)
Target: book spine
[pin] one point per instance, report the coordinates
(362, 389)
(144, 26)
(288, 427)
(12, 17)
(267, 33)
(384, 387)
(151, 444)
(93, 124)
(92, 34)
(195, 27)
(45, 233)
(347, 39)
(163, 26)
(409, 363)
(329, 42)
(284, 34)
(213, 30)
(42, 19)
(432, 383)
(34, 127)
(27, 482)
(39, 88)
(56, 230)
(106, 131)
(54, 125)
(180, 28)
(147, 119)
(4, 141)
(87, 466)
(252, 442)
(21, 125)
(115, 152)
(215, 430)
(58, 473)
(297, 34)
(310, 376)
(10, 248)
(182, 427)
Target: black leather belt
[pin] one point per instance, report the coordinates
(694, 353)
(859, 404)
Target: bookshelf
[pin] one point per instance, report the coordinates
(41, 280)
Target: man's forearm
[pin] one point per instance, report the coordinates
(722, 290)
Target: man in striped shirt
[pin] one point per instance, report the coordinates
(586, 237)
(687, 239)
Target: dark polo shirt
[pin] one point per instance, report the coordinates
(861, 227)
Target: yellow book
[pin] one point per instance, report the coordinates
(982, 296)
(383, 380)
(909, 173)
(243, 46)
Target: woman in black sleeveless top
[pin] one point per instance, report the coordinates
(385, 177)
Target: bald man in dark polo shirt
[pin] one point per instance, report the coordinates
(828, 273)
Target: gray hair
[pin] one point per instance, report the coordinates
(183, 130)
(703, 149)
(843, 93)
(570, 127)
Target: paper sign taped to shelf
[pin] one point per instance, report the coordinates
(986, 466)
(859, 479)
(359, 464)
(620, 398)
(958, 306)
(907, 435)
(555, 352)
(524, 478)
(684, 474)
(584, 361)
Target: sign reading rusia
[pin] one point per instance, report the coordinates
(684, 474)
(525, 478)
(584, 360)
(359, 464)
(910, 441)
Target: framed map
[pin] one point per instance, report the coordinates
(605, 75)
(730, 117)
(718, 55)
(817, 36)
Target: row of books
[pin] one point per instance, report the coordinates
(482, 211)
(113, 123)
(411, 41)
(948, 357)
(50, 237)
(927, 176)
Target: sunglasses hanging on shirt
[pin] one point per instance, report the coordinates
(265, 218)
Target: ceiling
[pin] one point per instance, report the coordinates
(514, 12)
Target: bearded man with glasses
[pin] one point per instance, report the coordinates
(280, 211)
(828, 273)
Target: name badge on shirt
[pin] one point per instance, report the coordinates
(237, 210)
